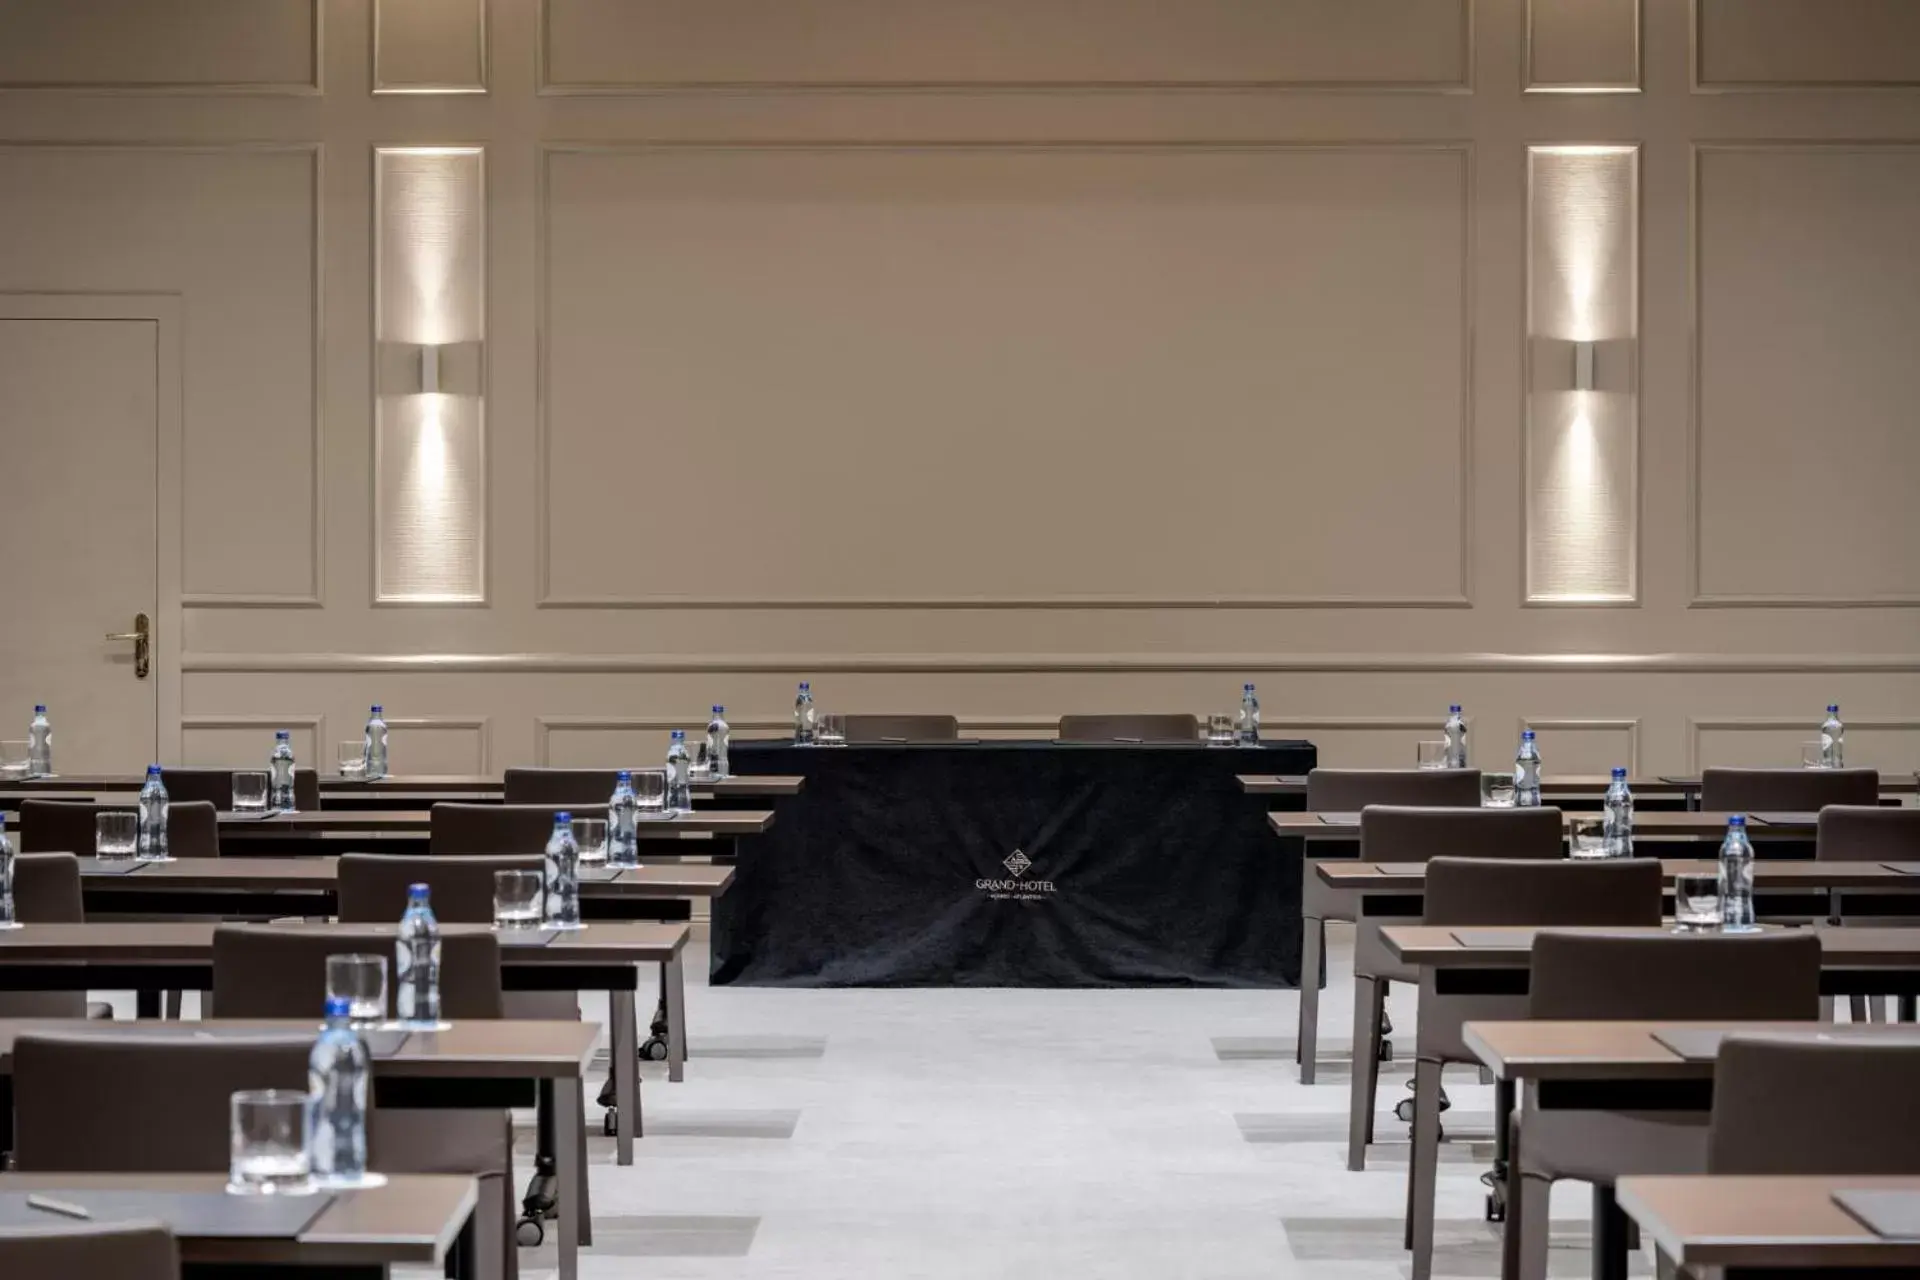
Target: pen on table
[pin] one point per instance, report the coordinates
(61, 1207)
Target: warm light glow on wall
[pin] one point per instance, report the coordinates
(1582, 444)
(430, 437)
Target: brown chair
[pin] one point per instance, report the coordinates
(1813, 1109)
(1868, 833)
(1786, 790)
(1350, 791)
(492, 828)
(583, 789)
(1680, 978)
(876, 728)
(66, 826)
(1140, 728)
(264, 971)
(215, 786)
(280, 971)
(373, 886)
(46, 890)
(134, 1250)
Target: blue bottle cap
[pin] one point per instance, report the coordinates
(416, 893)
(679, 735)
(1454, 709)
(39, 708)
(1247, 687)
(805, 685)
(339, 1007)
(1527, 734)
(563, 818)
(625, 775)
(1620, 774)
(1833, 708)
(719, 710)
(153, 770)
(281, 735)
(376, 708)
(1737, 820)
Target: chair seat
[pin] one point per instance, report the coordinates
(1600, 1146)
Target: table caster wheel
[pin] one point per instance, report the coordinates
(654, 1050)
(1386, 1023)
(610, 1123)
(528, 1233)
(1496, 1209)
(1403, 1110)
(1386, 1051)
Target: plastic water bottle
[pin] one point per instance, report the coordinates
(1833, 740)
(417, 961)
(1248, 727)
(802, 719)
(1736, 879)
(152, 841)
(563, 875)
(6, 881)
(337, 1074)
(718, 735)
(1618, 824)
(376, 745)
(40, 744)
(1526, 773)
(1455, 733)
(280, 772)
(623, 816)
(679, 770)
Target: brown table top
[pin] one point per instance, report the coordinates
(191, 942)
(415, 1218)
(1571, 784)
(1411, 877)
(320, 874)
(1551, 1050)
(1763, 1222)
(516, 1049)
(447, 786)
(1437, 946)
(724, 822)
(1685, 826)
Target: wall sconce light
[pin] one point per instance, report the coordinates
(446, 368)
(1582, 366)
(1563, 365)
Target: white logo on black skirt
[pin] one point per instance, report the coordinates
(1019, 888)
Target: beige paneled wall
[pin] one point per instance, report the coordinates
(1010, 359)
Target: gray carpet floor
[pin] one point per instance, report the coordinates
(940, 1133)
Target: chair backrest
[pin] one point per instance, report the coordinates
(578, 788)
(275, 971)
(1351, 790)
(902, 728)
(66, 826)
(1812, 1109)
(140, 1104)
(1129, 728)
(135, 1250)
(496, 828)
(1676, 977)
(1792, 790)
(1868, 833)
(1523, 891)
(215, 786)
(46, 890)
(373, 886)
(1396, 833)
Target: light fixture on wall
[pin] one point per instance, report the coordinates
(1581, 450)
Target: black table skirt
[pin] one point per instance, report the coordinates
(1015, 864)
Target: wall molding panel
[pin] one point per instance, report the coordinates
(480, 727)
(429, 46)
(314, 753)
(1804, 46)
(163, 47)
(1807, 726)
(1583, 46)
(1631, 728)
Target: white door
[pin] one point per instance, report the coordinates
(79, 507)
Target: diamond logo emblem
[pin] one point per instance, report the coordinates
(1017, 862)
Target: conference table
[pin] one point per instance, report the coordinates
(485, 1064)
(149, 957)
(355, 1235)
(1638, 1067)
(1685, 825)
(1769, 1228)
(415, 791)
(1584, 788)
(1476, 974)
(1013, 863)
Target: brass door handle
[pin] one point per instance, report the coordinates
(142, 637)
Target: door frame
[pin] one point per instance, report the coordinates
(166, 312)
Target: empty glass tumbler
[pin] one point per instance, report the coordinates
(650, 792)
(268, 1147)
(1431, 754)
(249, 791)
(353, 759)
(116, 833)
(1696, 902)
(360, 980)
(590, 837)
(518, 899)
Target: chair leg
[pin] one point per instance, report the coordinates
(1424, 1170)
(1534, 1203)
(1367, 999)
(1313, 945)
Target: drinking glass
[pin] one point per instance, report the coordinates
(1496, 790)
(650, 791)
(1587, 836)
(249, 791)
(1813, 754)
(353, 758)
(360, 980)
(1220, 731)
(590, 834)
(15, 759)
(1696, 902)
(702, 767)
(1431, 753)
(268, 1144)
(116, 833)
(830, 731)
(518, 901)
